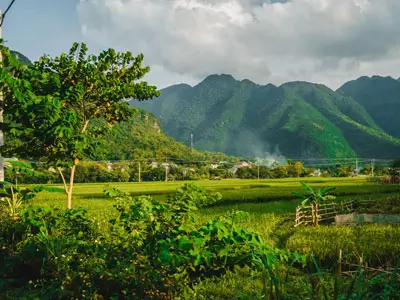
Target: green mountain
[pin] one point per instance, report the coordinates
(296, 119)
(22, 58)
(380, 96)
(142, 138)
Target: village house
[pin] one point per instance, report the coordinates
(244, 164)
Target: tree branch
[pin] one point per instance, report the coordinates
(85, 125)
(63, 179)
(2, 17)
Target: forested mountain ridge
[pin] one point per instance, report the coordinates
(296, 119)
(380, 96)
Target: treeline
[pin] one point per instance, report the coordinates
(88, 172)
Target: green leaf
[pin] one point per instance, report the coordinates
(165, 257)
(185, 244)
(306, 187)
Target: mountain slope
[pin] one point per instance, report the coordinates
(22, 58)
(381, 98)
(297, 119)
(364, 136)
(142, 138)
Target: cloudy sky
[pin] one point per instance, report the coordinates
(267, 41)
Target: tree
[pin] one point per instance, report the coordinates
(67, 92)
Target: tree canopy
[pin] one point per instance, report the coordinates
(48, 106)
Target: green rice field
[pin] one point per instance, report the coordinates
(267, 201)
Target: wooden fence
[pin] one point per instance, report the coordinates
(326, 212)
(348, 268)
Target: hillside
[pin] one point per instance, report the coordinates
(380, 96)
(296, 119)
(22, 58)
(142, 138)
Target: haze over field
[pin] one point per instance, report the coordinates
(329, 41)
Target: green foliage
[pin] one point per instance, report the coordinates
(112, 192)
(70, 90)
(191, 192)
(62, 95)
(140, 250)
(150, 250)
(14, 196)
(314, 197)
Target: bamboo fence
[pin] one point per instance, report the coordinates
(325, 211)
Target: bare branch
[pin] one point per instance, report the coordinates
(2, 16)
(63, 179)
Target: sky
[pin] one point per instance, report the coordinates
(183, 41)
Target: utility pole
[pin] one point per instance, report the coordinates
(166, 170)
(372, 167)
(2, 17)
(140, 177)
(357, 166)
(191, 142)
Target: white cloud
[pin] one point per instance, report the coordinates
(327, 41)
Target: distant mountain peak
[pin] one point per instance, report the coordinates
(219, 77)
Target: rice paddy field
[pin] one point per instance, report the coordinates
(269, 203)
(255, 196)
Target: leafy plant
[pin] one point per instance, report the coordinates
(314, 199)
(15, 196)
(191, 192)
(112, 192)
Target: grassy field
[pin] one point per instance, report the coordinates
(236, 191)
(268, 202)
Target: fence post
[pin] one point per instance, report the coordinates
(313, 213)
(297, 215)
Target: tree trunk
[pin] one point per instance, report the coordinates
(71, 185)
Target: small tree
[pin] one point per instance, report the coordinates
(315, 198)
(70, 91)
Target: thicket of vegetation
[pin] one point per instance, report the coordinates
(161, 250)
